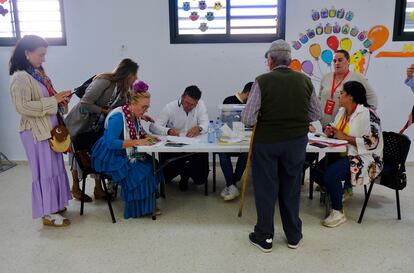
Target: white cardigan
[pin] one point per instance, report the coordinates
(364, 124)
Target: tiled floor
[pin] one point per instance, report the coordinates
(201, 234)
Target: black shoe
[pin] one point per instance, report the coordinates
(199, 182)
(183, 184)
(294, 245)
(265, 245)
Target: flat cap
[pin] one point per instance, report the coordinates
(278, 45)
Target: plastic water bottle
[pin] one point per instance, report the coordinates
(218, 127)
(211, 132)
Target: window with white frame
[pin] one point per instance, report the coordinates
(404, 20)
(25, 17)
(226, 21)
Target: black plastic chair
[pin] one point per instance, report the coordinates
(393, 176)
(82, 145)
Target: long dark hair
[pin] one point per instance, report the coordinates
(357, 91)
(18, 60)
(120, 74)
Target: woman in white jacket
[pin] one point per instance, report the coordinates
(357, 123)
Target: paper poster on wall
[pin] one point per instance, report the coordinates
(3, 11)
(406, 52)
(335, 30)
(201, 17)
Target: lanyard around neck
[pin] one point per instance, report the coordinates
(345, 119)
(334, 87)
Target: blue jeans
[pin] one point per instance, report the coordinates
(227, 167)
(332, 179)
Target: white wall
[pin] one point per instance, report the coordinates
(97, 30)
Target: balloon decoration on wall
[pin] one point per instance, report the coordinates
(341, 33)
(307, 67)
(378, 35)
(346, 44)
(332, 42)
(315, 51)
(295, 65)
(327, 57)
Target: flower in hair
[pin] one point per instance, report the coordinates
(140, 87)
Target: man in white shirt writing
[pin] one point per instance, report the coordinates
(188, 117)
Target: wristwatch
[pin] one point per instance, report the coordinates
(200, 129)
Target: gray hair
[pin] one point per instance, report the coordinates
(280, 57)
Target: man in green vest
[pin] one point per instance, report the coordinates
(281, 105)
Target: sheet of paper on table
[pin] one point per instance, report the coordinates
(322, 139)
(185, 140)
(230, 140)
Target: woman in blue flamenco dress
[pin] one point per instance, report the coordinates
(116, 153)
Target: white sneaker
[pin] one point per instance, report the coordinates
(335, 218)
(232, 193)
(224, 192)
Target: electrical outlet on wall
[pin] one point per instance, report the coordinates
(123, 50)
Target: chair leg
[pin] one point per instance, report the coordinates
(154, 216)
(108, 200)
(83, 192)
(311, 165)
(367, 195)
(156, 172)
(115, 190)
(397, 197)
(206, 182)
(310, 188)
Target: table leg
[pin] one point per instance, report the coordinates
(154, 199)
(214, 172)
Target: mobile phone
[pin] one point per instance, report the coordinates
(172, 144)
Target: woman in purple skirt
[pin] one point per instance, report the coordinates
(38, 104)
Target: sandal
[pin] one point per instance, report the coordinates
(77, 194)
(101, 195)
(55, 220)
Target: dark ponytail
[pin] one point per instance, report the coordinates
(357, 91)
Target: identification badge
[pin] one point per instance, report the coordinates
(329, 107)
